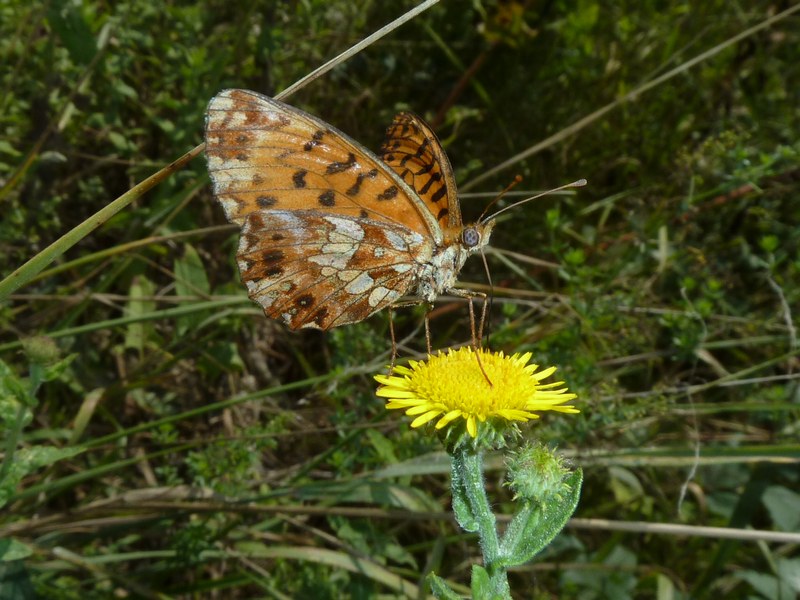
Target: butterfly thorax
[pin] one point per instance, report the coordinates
(439, 274)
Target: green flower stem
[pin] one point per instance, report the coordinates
(468, 477)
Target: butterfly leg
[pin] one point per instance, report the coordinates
(484, 310)
(394, 341)
(411, 302)
(428, 330)
(477, 333)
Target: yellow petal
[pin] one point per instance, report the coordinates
(471, 426)
(450, 416)
(421, 420)
(390, 392)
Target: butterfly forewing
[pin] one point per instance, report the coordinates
(263, 154)
(413, 151)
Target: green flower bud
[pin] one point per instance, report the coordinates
(536, 474)
(41, 350)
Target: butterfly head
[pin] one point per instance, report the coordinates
(476, 236)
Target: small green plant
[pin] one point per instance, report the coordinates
(18, 401)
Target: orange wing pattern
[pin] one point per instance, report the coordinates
(266, 154)
(413, 151)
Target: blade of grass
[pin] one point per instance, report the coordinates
(35, 265)
(169, 313)
(353, 50)
(130, 246)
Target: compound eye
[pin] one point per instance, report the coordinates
(470, 237)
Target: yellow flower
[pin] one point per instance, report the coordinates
(452, 386)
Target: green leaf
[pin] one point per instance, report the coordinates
(16, 583)
(769, 243)
(118, 140)
(614, 579)
(190, 280)
(190, 274)
(56, 370)
(136, 333)
(51, 157)
(29, 459)
(535, 526)
(384, 447)
(13, 389)
(789, 572)
(785, 585)
(125, 90)
(7, 148)
(69, 25)
(440, 588)
(462, 508)
(384, 493)
(480, 583)
(520, 533)
(782, 505)
(11, 549)
(26, 461)
(483, 588)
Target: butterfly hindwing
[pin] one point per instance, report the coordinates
(413, 151)
(319, 270)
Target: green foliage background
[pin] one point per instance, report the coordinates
(173, 443)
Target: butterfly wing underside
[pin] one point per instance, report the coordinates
(330, 235)
(413, 151)
(322, 271)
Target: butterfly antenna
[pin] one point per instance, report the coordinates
(579, 183)
(509, 187)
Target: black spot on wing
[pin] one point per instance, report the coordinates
(439, 194)
(338, 167)
(299, 178)
(272, 257)
(431, 180)
(314, 141)
(355, 189)
(423, 147)
(319, 317)
(304, 301)
(266, 201)
(327, 198)
(388, 193)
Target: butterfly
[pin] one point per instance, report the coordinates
(330, 232)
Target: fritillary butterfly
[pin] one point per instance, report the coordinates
(330, 232)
